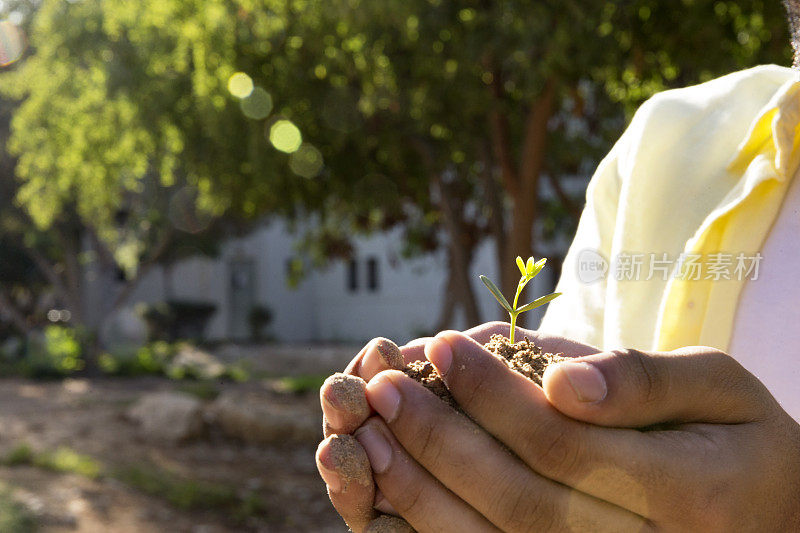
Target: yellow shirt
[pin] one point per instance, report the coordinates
(676, 215)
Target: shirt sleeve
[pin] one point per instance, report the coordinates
(579, 312)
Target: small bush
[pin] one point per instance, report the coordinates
(14, 517)
(203, 390)
(301, 384)
(182, 493)
(22, 454)
(57, 353)
(69, 461)
(63, 459)
(150, 359)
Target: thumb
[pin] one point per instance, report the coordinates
(629, 388)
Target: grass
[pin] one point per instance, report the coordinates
(63, 459)
(14, 517)
(300, 384)
(183, 493)
(191, 494)
(202, 390)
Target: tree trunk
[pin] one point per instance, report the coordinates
(521, 182)
(14, 315)
(448, 301)
(460, 248)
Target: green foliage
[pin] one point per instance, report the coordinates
(528, 270)
(14, 517)
(184, 493)
(190, 494)
(22, 454)
(63, 459)
(172, 112)
(203, 390)
(159, 358)
(58, 352)
(301, 384)
(152, 358)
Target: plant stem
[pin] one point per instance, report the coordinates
(513, 327)
(514, 313)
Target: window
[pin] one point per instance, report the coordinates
(373, 282)
(352, 276)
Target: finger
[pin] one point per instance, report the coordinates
(344, 466)
(344, 403)
(549, 343)
(383, 505)
(618, 466)
(414, 350)
(629, 388)
(480, 471)
(344, 406)
(419, 498)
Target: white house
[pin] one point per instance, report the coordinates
(377, 293)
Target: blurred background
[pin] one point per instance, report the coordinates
(208, 206)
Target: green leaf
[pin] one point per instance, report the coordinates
(521, 266)
(497, 294)
(538, 267)
(539, 302)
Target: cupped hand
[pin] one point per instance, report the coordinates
(343, 413)
(616, 441)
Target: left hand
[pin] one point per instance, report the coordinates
(717, 452)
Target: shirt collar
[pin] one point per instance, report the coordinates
(775, 134)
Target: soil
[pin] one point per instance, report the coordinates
(389, 524)
(523, 357)
(351, 460)
(88, 416)
(350, 392)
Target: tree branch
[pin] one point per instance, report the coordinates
(47, 270)
(572, 208)
(14, 315)
(535, 140)
(499, 130)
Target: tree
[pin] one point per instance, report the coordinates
(439, 117)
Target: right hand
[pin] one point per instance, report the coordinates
(353, 499)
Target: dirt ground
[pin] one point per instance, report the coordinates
(87, 415)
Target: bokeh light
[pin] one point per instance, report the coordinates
(240, 85)
(285, 136)
(12, 43)
(258, 105)
(306, 161)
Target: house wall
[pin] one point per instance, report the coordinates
(323, 307)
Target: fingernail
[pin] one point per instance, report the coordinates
(440, 355)
(331, 479)
(586, 380)
(377, 448)
(372, 363)
(384, 397)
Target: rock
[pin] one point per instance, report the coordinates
(257, 418)
(168, 416)
(191, 361)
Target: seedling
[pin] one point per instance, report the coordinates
(529, 270)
